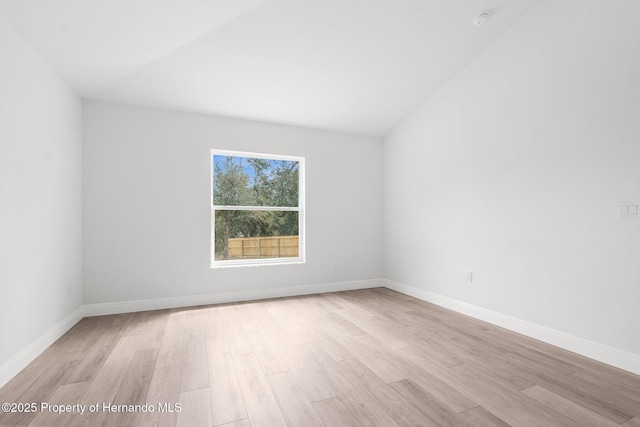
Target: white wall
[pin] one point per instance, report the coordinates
(40, 200)
(147, 210)
(515, 168)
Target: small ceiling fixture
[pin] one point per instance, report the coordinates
(481, 18)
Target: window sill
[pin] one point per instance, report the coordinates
(257, 263)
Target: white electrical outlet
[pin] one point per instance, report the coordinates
(469, 276)
(630, 210)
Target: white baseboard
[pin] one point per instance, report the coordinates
(196, 300)
(593, 350)
(17, 363)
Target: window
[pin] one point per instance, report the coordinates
(257, 209)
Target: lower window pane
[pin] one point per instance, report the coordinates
(256, 234)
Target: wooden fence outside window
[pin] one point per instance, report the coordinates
(263, 247)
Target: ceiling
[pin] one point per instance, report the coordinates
(357, 66)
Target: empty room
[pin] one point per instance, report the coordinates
(320, 213)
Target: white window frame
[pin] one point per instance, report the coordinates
(300, 259)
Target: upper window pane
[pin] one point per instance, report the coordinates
(249, 181)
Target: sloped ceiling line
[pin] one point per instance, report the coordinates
(356, 66)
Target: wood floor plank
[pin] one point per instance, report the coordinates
(295, 407)
(395, 318)
(429, 326)
(499, 398)
(401, 410)
(506, 402)
(268, 357)
(268, 321)
(138, 324)
(469, 352)
(250, 322)
(480, 417)
(152, 338)
(613, 374)
(439, 389)
(94, 358)
(357, 309)
(307, 311)
(31, 374)
(336, 324)
(25, 378)
(504, 372)
(75, 343)
(321, 301)
(215, 334)
(541, 362)
(195, 409)
(567, 407)
(305, 369)
(195, 371)
(356, 395)
(72, 346)
(363, 298)
(495, 340)
(164, 389)
(538, 347)
(40, 391)
(332, 347)
(172, 345)
(227, 403)
(235, 333)
(397, 303)
(65, 395)
(479, 347)
(371, 352)
(432, 411)
(634, 422)
(195, 321)
(629, 385)
(262, 408)
(387, 338)
(610, 404)
(284, 312)
(437, 351)
(104, 387)
(241, 423)
(382, 306)
(134, 388)
(333, 412)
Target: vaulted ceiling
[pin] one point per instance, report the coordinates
(357, 66)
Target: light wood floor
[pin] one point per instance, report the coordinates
(359, 358)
